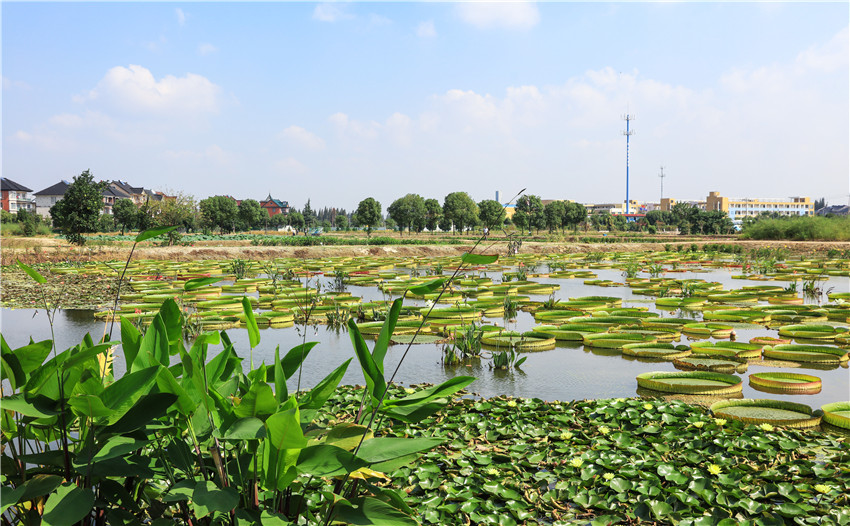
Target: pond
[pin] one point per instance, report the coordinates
(568, 372)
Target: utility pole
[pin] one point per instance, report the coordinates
(662, 176)
(628, 133)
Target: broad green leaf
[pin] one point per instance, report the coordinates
(208, 498)
(370, 510)
(428, 287)
(131, 341)
(11, 370)
(447, 388)
(273, 519)
(167, 383)
(295, 357)
(118, 446)
(197, 283)
(325, 460)
(89, 406)
(126, 391)
(31, 272)
(153, 232)
(86, 355)
(154, 346)
(386, 448)
(375, 382)
(68, 505)
(40, 485)
(347, 436)
(9, 497)
(280, 391)
(172, 319)
(259, 401)
(251, 323)
(317, 396)
(32, 356)
(18, 403)
(379, 352)
(249, 428)
(148, 407)
(479, 259)
(284, 429)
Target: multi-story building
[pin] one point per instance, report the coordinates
(15, 196)
(45, 199)
(274, 206)
(739, 208)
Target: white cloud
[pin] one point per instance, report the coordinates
(352, 129)
(379, 20)
(303, 138)
(212, 153)
(181, 16)
(504, 14)
(15, 84)
(135, 90)
(426, 29)
(829, 57)
(330, 13)
(206, 48)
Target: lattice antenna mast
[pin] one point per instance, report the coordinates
(628, 133)
(662, 176)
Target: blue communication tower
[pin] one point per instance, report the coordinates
(628, 118)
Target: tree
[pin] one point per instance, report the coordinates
(574, 214)
(368, 214)
(180, 211)
(341, 222)
(251, 214)
(820, 203)
(530, 210)
(408, 211)
(491, 213)
(554, 213)
(461, 210)
(78, 210)
(126, 214)
(219, 212)
(433, 214)
(310, 217)
(296, 220)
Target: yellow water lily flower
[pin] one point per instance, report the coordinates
(766, 427)
(566, 435)
(492, 471)
(719, 421)
(647, 406)
(604, 430)
(714, 469)
(576, 462)
(822, 488)
(511, 403)
(698, 424)
(608, 476)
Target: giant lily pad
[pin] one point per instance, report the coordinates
(775, 412)
(696, 382)
(781, 382)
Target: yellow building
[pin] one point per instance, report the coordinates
(738, 209)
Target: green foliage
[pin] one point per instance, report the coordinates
(79, 209)
(529, 213)
(433, 214)
(408, 212)
(219, 212)
(799, 228)
(553, 214)
(491, 213)
(251, 215)
(126, 214)
(182, 437)
(296, 220)
(460, 210)
(341, 222)
(368, 214)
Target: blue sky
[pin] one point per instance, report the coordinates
(336, 102)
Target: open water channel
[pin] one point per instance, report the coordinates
(567, 372)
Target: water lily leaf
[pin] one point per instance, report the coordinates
(251, 323)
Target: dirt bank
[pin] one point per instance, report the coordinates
(42, 250)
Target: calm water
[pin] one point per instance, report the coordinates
(564, 373)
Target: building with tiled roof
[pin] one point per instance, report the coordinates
(274, 206)
(15, 196)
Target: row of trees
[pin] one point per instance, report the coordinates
(691, 220)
